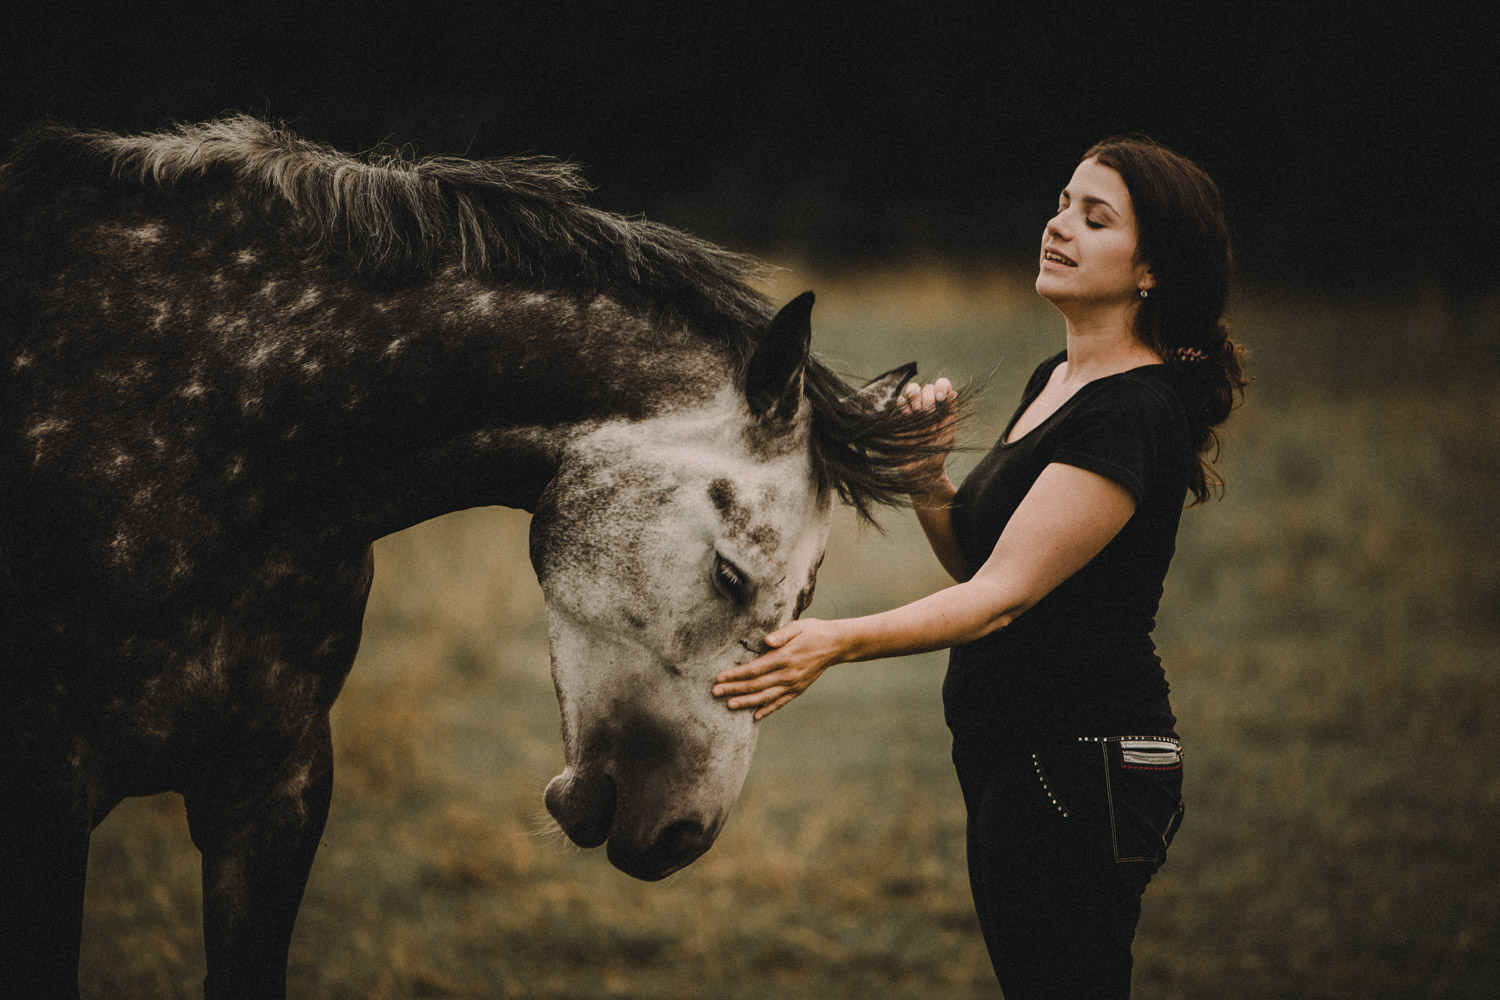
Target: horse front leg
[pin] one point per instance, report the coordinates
(44, 853)
(257, 852)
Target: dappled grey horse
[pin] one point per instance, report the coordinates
(230, 360)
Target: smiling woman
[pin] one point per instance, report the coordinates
(1094, 223)
(1060, 539)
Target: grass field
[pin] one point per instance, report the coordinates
(1330, 630)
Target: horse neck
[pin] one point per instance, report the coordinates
(256, 381)
(464, 393)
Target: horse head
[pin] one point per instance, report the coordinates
(666, 549)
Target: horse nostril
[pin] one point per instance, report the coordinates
(583, 805)
(678, 845)
(682, 837)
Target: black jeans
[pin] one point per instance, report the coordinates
(1063, 837)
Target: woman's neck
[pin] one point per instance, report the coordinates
(1100, 345)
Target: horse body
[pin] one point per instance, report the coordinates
(209, 417)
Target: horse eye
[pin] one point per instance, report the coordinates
(731, 580)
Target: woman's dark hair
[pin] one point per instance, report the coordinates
(1182, 236)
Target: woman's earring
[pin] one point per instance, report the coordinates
(1143, 293)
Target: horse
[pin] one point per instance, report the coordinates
(231, 359)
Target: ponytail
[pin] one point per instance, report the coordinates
(1213, 383)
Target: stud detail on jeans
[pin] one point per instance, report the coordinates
(1041, 776)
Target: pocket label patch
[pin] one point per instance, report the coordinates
(1150, 753)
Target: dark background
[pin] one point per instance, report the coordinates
(1346, 140)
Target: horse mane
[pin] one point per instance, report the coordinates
(392, 214)
(515, 217)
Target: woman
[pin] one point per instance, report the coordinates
(1063, 734)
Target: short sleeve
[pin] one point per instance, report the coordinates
(1129, 433)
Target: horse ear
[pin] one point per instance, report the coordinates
(773, 379)
(881, 392)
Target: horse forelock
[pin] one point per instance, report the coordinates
(859, 452)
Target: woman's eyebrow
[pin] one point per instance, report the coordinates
(1087, 199)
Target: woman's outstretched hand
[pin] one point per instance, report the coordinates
(800, 652)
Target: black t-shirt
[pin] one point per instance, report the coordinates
(1081, 661)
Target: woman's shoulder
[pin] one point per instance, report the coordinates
(1139, 404)
(1138, 391)
(1130, 427)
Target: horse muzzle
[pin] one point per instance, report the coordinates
(647, 847)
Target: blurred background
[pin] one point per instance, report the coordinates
(1330, 629)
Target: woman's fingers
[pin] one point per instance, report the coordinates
(762, 664)
(767, 701)
(761, 713)
(783, 635)
(777, 680)
(735, 679)
(926, 469)
(753, 673)
(915, 396)
(749, 686)
(756, 675)
(762, 698)
(779, 675)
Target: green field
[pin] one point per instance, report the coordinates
(1330, 630)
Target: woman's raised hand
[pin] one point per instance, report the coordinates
(926, 472)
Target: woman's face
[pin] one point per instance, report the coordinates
(1088, 249)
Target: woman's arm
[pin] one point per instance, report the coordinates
(932, 501)
(934, 509)
(1066, 519)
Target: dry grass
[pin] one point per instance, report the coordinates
(1330, 633)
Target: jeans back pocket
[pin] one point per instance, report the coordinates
(1143, 793)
